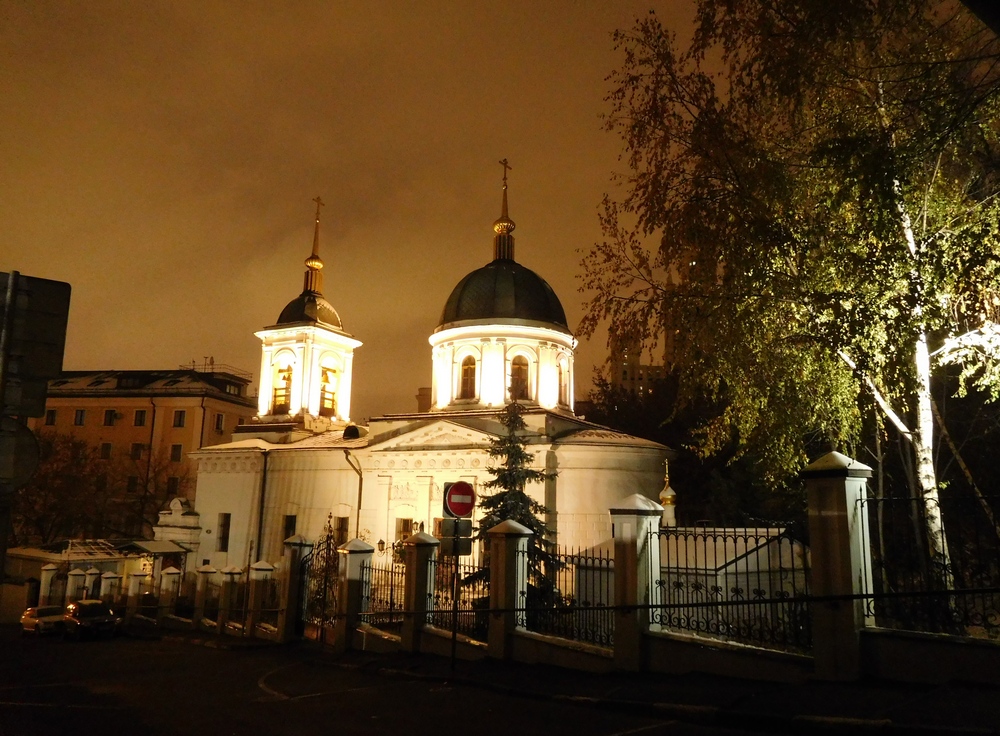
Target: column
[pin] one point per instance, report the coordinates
(634, 524)
(352, 591)
(204, 573)
(76, 580)
(134, 591)
(260, 578)
(45, 585)
(230, 579)
(297, 549)
(841, 562)
(110, 583)
(170, 580)
(418, 551)
(508, 585)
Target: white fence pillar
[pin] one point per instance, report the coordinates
(508, 585)
(634, 524)
(418, 550)
(352, 592)
(45, 585)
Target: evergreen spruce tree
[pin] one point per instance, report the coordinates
(507, 499)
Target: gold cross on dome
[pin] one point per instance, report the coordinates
(506, 167)
(319, 203)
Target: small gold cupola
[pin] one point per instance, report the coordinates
(503, 241)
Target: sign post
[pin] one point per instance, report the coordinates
(456, 528)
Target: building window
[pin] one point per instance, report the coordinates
(467, 389)
(136, 453)
(241, 421)
(340, 527)
(140, 418)
(78, 417)
(220, 423)
(289, 526)
(179, 416)
(50, 417)
(563, 383)
(404, 528)
(519, 378)
(281, 402)
(109, 417)
(176, 453)
(173, 485)
(222, 541)
(132, 484)
(105, 451)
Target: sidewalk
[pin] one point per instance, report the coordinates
(867, 707)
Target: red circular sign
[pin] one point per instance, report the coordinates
(460, 499)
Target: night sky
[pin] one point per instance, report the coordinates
(162, 157)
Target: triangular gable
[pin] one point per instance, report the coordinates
(437, 435)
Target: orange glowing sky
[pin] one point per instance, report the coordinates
(162, 158)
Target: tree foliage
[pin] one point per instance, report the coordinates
(75, 494)
(508, 499)
(811, 208)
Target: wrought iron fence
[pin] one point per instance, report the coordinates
(269, 602)
(748, 585)
(318, 604)
(573, 597)
(955, 590)
(382, 594)
(472, 617)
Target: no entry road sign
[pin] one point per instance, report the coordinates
(459, 499)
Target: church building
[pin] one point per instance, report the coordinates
(300, 463)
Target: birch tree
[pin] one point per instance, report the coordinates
(811, 209)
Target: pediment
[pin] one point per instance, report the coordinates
(435, 436)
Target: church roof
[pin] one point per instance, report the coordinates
(310, 306)
(503, 290)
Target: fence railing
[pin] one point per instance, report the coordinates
(382, 594)
(748, 585)
(954, 591)
(572, 597)
(472, 616)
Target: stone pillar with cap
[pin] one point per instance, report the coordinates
(260, 577)
(638, 596)
(90, 583)
(418, 550)
(508, 585)
(297, 549)
(230, 581)
(76, 582)
(170, 580)
(352, 591)
(841, 562)
(110, 585)
(134, 591)
(204, 573)
(48, 574)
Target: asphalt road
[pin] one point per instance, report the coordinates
(151, 687)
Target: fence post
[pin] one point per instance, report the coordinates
(508, 585)
(297, 548)
(352, 592)
(229, 581)
(134, 584)
(418, 591)
(45, 584)
(75, 582)
(170, 580)
(260, 575)
(841, 562)
(109, 586)
(205, 573)
(634, 523)
(91, 577)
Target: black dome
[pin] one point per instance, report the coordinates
(504, 290)
(310, 307)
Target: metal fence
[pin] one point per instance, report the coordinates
(748, 585)
(318, 604)
(472, 616)
(573, 597)
(382, 594)
(956, 591)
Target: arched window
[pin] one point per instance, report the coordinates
(467, 389)
(328, 389)
(563, 383)
(519, 378)
(281, 399)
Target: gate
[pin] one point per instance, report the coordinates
(317, 604)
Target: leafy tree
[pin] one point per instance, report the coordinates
(812, 221)
(508, 500)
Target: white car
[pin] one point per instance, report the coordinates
(42, 620)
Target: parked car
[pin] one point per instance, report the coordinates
(42, 620)
(90, 618)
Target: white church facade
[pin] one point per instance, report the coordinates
(301, 463)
